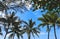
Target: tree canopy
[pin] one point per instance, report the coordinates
(47, 5)
(36, 4)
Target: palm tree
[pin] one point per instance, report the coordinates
(53, 21)
(9, 19)
(12, 23)
(30, 29)
(45, 22)
(16, 30)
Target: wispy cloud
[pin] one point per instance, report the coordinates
(43, 33)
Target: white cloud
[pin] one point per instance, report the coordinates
(2, 14)
(43, 33)
(28, 7)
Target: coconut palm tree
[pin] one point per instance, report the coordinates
(53, 21)
(9, 20)
(14, 26)
(45, 22)
(12, 23)
(16, 29)
(30, 29)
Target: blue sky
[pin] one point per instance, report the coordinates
(35, 15)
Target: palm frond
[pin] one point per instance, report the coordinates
(36, 33)
(0, 31)
(42, 24)
(45, 17)
(33, 35)
(25, 22)
(21, 36)
(14, 18)
(42, 19)
(18, 35)
(11, 36)
(31, 23)
(3, 20)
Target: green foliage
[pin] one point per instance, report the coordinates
(47, 5)
(2, 7)
(30, 29)
(50, 19)
(12, 25)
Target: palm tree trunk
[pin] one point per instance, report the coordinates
(48, 31)
(55, 32)
(6, 33)
(13, 36)
(48, 34)
(29, 36)
(5, 36)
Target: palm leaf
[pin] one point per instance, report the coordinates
(42, 24)
(0, 31)
(33, 35)
(18, 35)
(42, 19)
(36, 31)
(45, 17)
(11, 36)
(3, 20)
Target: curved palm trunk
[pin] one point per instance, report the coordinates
(55, 32)
(5, 36)
(48, 31)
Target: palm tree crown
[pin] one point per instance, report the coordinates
(30, 29)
